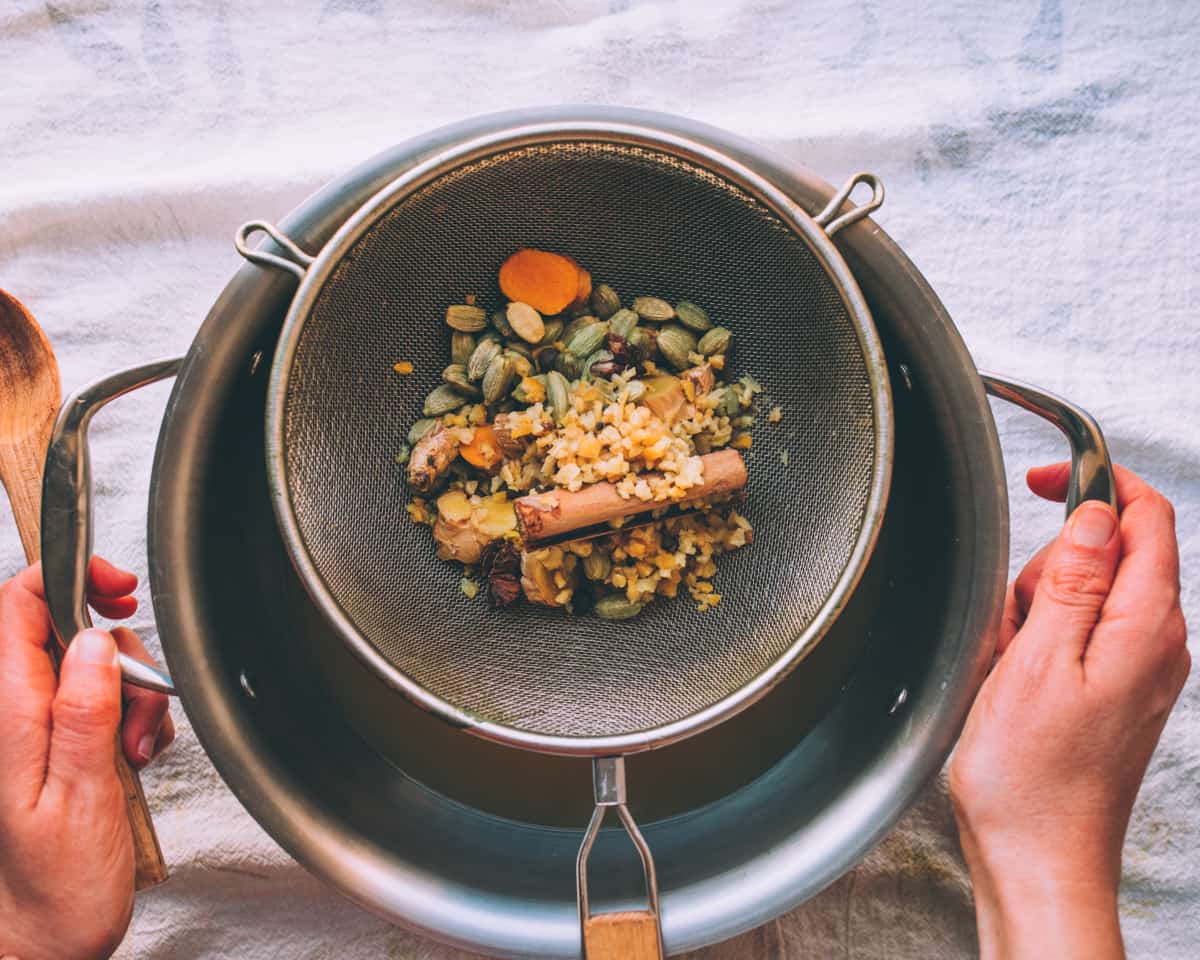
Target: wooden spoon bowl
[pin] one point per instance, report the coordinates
(30, 394)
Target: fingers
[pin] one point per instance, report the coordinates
(1150, 551)
(1075, 581)
(1019, 597)
(27, 686)
(115, 608)
(108, 587)
(1027, 580)
(147, 728)
(1139, 630)
(29, 704)
(105, 580)
(1143, 630)
(1010, 622)
(30, 580)
(1049, 481)
(86, 713)
(109, 590)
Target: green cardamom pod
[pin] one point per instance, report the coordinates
(575, 326)
(554, 329)
(616, 607)
(622, 323)
(644, 344)
(467, 318)
(483, 354)
(558, 395)
(597, 565)
(692, 316)
(569, 365)
(443, 399)
(501, 324)
(604, 301)
(521, 362)
(587, 339)
(420, 428)
(456, 376)
(675, 343)
(499, 379)
(717, 340)
(462, 345)
(653, 309)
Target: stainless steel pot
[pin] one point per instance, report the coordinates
(474, 843)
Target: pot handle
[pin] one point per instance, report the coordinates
(299, 263)
(630, 934)
(1091, 466)
(67, 513)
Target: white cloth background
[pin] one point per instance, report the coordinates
(1041, 161)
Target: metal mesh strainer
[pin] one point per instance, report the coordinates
(649, 214)
(646, 220)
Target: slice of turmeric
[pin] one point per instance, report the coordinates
(548, 282)
(584, 290)
(483, 451)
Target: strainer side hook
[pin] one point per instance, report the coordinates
(299, 262)
(826, 217)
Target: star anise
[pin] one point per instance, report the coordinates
(500, 565)
(622, 358)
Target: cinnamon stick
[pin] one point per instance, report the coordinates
(545, 516)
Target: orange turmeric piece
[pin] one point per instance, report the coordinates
(483, 451)
(548, 282)
(584, 290)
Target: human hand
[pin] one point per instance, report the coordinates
(66, 849)
(1091, 657)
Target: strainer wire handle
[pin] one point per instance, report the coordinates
(636, 935)
(828, 217)
(299, 263)
(1091, 465)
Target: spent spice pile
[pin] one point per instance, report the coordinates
(567, 410)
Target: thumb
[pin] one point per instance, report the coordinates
(86, 712)
(1074, 582)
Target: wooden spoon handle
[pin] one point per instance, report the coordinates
(22, 476)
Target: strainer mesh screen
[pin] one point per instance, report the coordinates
(646, 222)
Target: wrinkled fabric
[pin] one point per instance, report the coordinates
(1041, 165)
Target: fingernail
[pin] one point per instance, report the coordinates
(146, 747)
(95, 646)
(1093, 524)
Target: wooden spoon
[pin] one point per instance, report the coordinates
(30, 395)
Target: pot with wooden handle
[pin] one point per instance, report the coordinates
(29, 398)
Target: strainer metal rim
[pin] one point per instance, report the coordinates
(314, 270)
